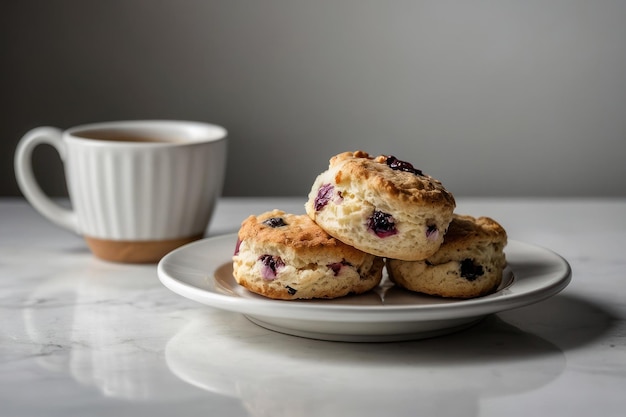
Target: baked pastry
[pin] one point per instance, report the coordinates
(468, 264)
(288, 256)
(381, 206)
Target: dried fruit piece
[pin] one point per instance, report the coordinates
(336, 266)
(275, 222)
(271, 265)
(324, 194)
(470, 270)
(432, 232)
(398, 165)
(382, 224)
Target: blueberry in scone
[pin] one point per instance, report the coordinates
(287, 256)
(468, 264)
(381, 205)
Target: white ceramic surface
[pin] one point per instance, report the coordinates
(202, 272)
(132, 191)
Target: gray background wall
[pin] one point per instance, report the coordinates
(508, 98)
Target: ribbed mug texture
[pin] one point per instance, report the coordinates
(125, 192)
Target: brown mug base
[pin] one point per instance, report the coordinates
(139, 252)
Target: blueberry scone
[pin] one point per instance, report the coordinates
(468, 264)
(287, 256)
(381, 205)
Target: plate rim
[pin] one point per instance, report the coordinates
(329, 312)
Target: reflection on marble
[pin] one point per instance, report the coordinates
(95, 321)
(276, 375)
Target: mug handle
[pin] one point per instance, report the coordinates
(26, 178)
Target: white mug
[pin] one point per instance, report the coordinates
(138, 189)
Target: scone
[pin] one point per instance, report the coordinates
(468, 264)
(381, 206)
(288, 256)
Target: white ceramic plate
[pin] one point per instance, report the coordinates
(202, 271)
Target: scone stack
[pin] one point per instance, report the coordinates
(361, 213)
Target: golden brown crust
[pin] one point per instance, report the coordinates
(471, 237)
(406, 186)
(301, 234)
(288, 256)
(382, 206)
(468, 264)
(466, 231)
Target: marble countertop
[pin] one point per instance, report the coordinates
(80, 336)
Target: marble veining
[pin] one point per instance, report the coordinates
(79, 336)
